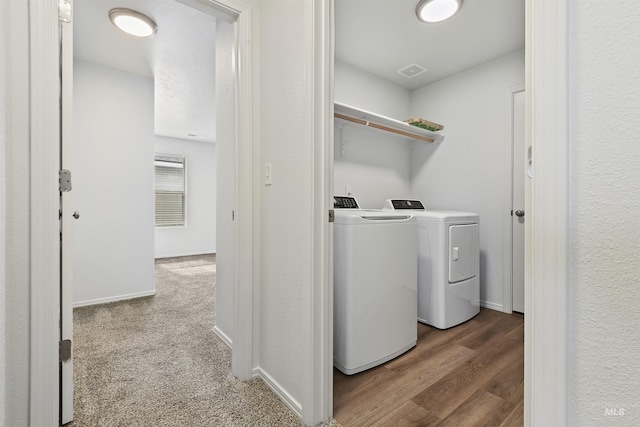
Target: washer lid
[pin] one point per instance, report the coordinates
(446, 216)
(416, 208)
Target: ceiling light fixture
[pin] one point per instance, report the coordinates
(431, 11)
(133, 22)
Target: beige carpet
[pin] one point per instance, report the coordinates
(156, 362)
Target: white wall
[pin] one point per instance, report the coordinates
(113, 185)
(466, 172)
(285, 137)
(361, 89)
(373, 164)
(199, 236)
(604, 287)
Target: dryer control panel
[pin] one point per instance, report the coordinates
(345, 202)
(406, 204)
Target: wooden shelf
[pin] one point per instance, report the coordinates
(376, 121)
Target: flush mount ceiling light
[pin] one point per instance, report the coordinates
(437, 10)
(133, 22)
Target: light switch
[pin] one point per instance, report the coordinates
(267, 174)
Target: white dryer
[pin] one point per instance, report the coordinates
(448, 263)
(375, 285)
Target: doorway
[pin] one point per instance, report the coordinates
(120, 123)
(547, 263)
(232, 24)
(464, 172)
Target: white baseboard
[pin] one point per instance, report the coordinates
(279, 391)
(223, 336)
(492, 305)
(181, 254)
(113, 299)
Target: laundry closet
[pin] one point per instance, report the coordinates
(466, 168)
(467, 84)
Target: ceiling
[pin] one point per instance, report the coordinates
(384, 36)
(180, 58)
(378, 36)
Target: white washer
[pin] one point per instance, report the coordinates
(375, 285)
(448, 263)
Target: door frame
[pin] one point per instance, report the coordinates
(317, 405)
(507, 295)
(245, 269)
(547, 250)
(44, 243)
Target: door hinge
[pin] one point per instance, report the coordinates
(64, 178)
(64, 11)
(65, 351)
(332, 215)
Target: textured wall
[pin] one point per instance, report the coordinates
(605, 233)
(286, 217)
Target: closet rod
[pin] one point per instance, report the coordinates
(377, 126)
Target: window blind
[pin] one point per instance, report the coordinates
(170, 190)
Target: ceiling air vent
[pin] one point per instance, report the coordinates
(410, 71)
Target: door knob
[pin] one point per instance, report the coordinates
(519, 212)
(76, 214)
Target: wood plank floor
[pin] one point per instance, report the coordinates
(469, 375)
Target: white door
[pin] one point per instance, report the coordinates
(68, 216)
(518, 213)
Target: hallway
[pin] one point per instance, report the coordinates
(155, 361)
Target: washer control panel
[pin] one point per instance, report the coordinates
(345, 202)
(407, 204)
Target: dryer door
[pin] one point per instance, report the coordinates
(464, 252)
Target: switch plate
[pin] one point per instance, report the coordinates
(267, 174)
